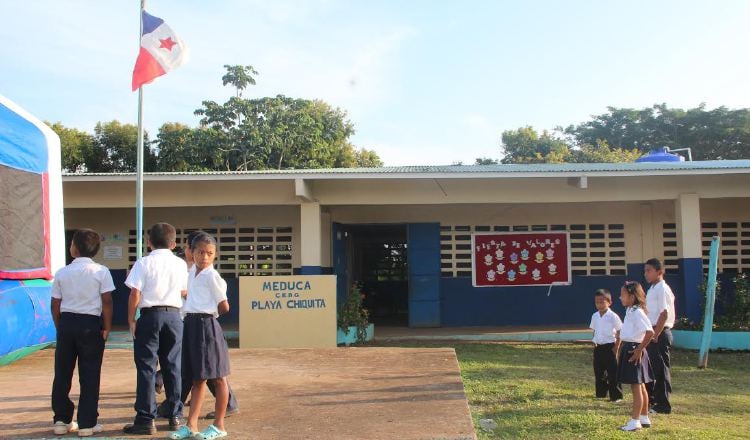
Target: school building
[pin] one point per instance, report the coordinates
(404, 233)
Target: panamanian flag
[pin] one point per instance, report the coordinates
(161, 51)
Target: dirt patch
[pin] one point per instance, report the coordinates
(338, 393)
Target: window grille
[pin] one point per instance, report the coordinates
(241, 251)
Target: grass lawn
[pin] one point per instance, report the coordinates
(546, 391)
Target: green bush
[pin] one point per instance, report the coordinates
(736, 316)
(352, 314)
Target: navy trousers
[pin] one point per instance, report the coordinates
(605, 372)
(661, 388)
(158, 336)
(79, 338)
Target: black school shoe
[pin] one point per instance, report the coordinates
(161, 412)
(140, 428)
(174, 423)
(229, 413)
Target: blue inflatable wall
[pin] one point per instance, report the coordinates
(25, 320)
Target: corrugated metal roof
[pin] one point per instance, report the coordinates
(469, 170)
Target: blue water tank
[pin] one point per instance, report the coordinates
(660, 155)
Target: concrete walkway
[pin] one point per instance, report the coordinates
(510, 333)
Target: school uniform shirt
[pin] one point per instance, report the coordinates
(659, 298)
(80, 286)
(206, 290)
(161, 277)
(635, 326)
(605, 326)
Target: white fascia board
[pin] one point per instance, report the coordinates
(384, 176)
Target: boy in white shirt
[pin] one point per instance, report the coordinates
(661, 313)
(606, 324)
(82, 310)
(157, 284)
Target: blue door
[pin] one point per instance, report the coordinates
(424, 274)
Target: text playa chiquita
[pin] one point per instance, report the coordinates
(287, 289)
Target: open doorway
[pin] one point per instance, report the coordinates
(377, 260)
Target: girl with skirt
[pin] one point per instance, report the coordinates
(205, 352)
(633, 367)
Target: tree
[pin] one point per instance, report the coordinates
(603, 153)
(241, 134)
(186, 149)
(239, 76)
(525, 145)
(115, 149)
(368, 158)
(485, 161)
(75, 146)
(720, 133)
(278, 132)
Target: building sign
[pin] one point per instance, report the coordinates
(288, 311)
(520, 259)
(112, 252)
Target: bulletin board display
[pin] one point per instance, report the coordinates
(501, 259)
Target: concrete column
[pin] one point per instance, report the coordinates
(326, 244)
(647, 231)
(310, 239)
(690, 252)
(643, 249)
(688, 218)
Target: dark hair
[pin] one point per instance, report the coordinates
(202, 237)
(639, 295)
(162, 236)
(605, 293)
(87, 242)
(191, 236)
(655, 263)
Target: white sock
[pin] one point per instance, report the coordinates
(644, 419)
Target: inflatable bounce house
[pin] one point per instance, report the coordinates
(32, 233)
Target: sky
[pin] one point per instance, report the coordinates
(424, 82)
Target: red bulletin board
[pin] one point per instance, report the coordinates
(520, 259)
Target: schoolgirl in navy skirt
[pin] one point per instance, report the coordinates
(633, 373)
(205, 354)
(205, 349)
(633, 366)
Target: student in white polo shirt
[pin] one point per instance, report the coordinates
(606, 324)
(157, 284)
(82, 311)
(661, 313)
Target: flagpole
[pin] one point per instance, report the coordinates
(139, 165)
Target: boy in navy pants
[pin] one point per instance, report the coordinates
(157, 284)
(82, 311)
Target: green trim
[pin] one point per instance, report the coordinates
(719, 340)
(22, 352)
(36, 283)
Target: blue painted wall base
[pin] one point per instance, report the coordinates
(465, 305)
(311, 270)
(691, 274)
